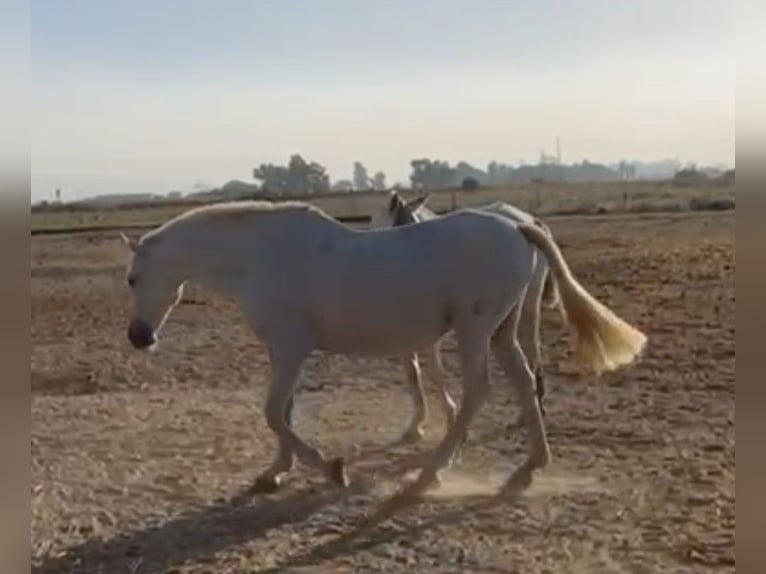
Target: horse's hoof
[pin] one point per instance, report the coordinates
(435, 484)
(458, 454)
(406, 498)
(337, 472)
(411, 436)
(519, 481)
(265, 485)
(417, 487)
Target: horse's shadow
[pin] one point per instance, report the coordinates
(192, 535)
(202, 532)
(356, 541)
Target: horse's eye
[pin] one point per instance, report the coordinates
(131, 280)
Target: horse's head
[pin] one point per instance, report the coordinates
(396, 211)
(156, 286)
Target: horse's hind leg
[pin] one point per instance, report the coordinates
(286, 365)
(437, 374)
(473, 348)
(529, 328)
(414, 431)
(509, 354)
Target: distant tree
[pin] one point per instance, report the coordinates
(469, 183)
(298, 178)
(361, 178)
(379, 181)
(689, 176)
(464, 169)
(499, 173)
(318, 179)
(238, 190)
(428, 174)
(273, 178)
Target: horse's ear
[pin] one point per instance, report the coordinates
(418, 201)
(395, 202)
(130, 242)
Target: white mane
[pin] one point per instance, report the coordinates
(234, 209)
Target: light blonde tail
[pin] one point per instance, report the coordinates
(550, 292)
(604, 342)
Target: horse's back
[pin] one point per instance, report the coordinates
(472, 247)
(400, 288)
(307, 277)
(510, 211)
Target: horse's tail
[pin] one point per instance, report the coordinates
(550, 292)
(603, 340)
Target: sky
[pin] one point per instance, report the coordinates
(149, 95)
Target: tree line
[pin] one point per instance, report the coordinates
(301, 177)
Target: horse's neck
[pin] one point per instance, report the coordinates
(224, 255)
(208, 258)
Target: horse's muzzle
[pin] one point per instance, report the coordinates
(140, 334)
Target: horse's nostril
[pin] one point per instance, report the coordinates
(140, 334)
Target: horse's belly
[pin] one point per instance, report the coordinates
(360, 333)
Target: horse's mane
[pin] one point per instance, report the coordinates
(234, 209)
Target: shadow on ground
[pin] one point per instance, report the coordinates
(191, 536)
(355, 541)
(201, 533)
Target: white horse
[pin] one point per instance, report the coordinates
(306, 281)
(542, 290)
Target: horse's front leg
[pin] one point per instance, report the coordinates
(414, 430)
(286, 363)
(270, 479)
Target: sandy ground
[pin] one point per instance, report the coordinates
(141, 462)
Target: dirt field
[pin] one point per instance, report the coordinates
(141, 462)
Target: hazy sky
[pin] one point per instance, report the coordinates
(150, 95)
